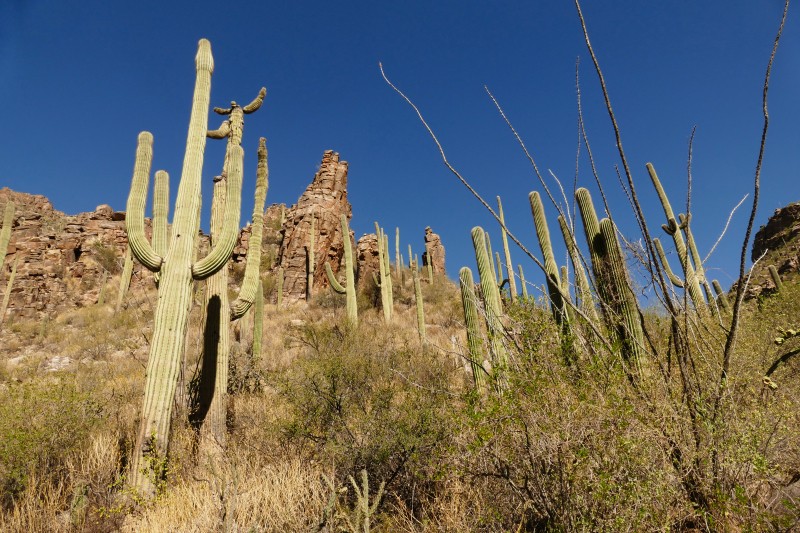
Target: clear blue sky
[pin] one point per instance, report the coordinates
(80, 80)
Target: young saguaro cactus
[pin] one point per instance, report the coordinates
(512, 283)
(310, 259)
(420, 309)
(350, 284)
(522, 282)
(581, 281)
(280, 288)
(125, 278)
(177, 271)
(776, 278)
(388, 270)
(721, 297)
(384, 285)
(397, 259)
(5, 233)
(9, 286)
(468, 298)
(559, 307)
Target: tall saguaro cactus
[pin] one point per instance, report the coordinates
(559, 307)
(397, 260)
(160, 216)
(468, 298)
(5, 233)
(581, 281)
(491, 299)
(388, 270)
(512, 283)
(350, 284)
(177, 272)
(384, 285)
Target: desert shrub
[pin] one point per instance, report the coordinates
(40, 424)
(236, 273)
(106, 257)
(329, 299)
(354, 400)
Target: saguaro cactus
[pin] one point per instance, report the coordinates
(550, 265)
(310, 259)
(177, 272)
(102, 298)
(420, 309)
(5, 233)
(388, 270)
(491, 299)
(630, 331)
(397, 261)
(429, 257)
(384, 285)
(9, 286)
(522, 282)
(721, 297)
(125, 278)
(258, 320)
(581, 281)
(673, 228)
(410, 257)
(491, 258)
(468, 298)
(776, 278)
(350, 284)
(512, 283)
(160, 216)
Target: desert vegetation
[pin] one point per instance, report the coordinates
(201, 401)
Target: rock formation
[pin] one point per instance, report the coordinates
(366, 259)
(433, 244)
(326, 198)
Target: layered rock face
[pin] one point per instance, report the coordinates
(433, 244)
(367, 259)
(61, 258)
(326, 198)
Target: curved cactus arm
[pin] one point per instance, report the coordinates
(721, 296)
(5, 234)
(661, 255)
(137, 199)
(375, 279)
(223, 131)
(255, 104)
(468, 298)
(251, 280)
(221, 111)
(219, 256)
(776, 278)
(335, 285)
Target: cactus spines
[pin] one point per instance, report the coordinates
(310, 259)
(125, 279)
(258, 319)
(550, 265)
(280, 288)
(102, 298)
(673, 229)
(420, 309)
(522, 282)
(397, 260)
(350, 288)
(468, 297)
(384, 285)
(721, 297)
(251, 280)
(512, 283)
(776, 278)
(9, 286)
(632, 335)
(172, 312)
(5, 233)
(491, 298)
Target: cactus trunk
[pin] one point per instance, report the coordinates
(9, 286)
(512, 283)
(721, 297)
(776, 278)
(258, 320)
(491, 298)
(558, 305)
(397, 260)
(125, 279)
(350, 288)
(581, 281)
(522, 282)
(388, 270)
(102, 298)
(387, 311)
(280, 288)
(5, 233)
(468, 299)
(310, 259)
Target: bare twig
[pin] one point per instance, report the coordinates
(730, 216)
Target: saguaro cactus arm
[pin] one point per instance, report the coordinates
(255, 104)
(776, 278)
(160, 213)
(665, 263)
(251, 273)
(211, 263)
(134, 218)
(723, 299)
(512, 283)
(335, 285)
(223, 131)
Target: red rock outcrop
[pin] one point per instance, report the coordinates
(326, 197)
(433, 244)
(366, 259)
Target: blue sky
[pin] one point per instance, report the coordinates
(80, 80)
